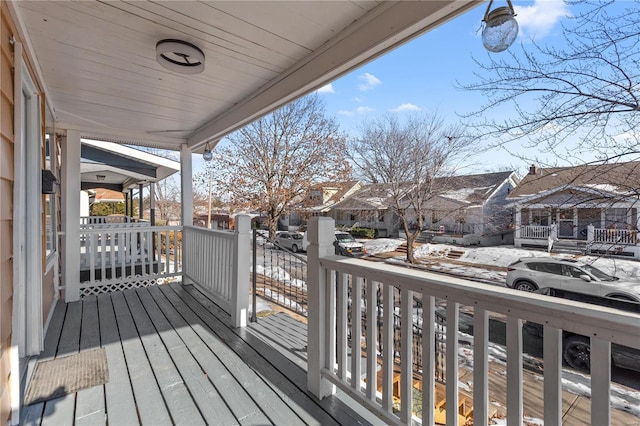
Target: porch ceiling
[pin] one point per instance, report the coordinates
(101, 76)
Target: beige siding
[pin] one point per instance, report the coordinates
(6, 209)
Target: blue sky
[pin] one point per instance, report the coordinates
(421, 75)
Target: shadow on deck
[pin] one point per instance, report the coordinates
(173, 360)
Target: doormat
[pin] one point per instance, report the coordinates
(67, 374)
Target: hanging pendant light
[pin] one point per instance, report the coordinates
(500, 28)
(207, 155)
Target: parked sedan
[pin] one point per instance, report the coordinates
(294, 241)
(533, 273)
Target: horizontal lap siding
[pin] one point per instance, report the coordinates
(6, 209)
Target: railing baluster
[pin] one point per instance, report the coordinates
(372, 331)
(600, 381)
(481, 365)
(514, 370)
(428, 359)
(356, 332)
(453, 319)
(330, 342)
(406, 356)
(341, 305)
(552, 352)
(387, 347)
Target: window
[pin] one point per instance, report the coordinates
(50, 199)
(436, 216)
(540, 217)
(615, 218)
(549, 268)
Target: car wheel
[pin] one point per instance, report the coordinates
(294, 248)
(526, 286)
(577, 352)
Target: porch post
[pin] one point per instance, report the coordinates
(186, 185)
(152, 203)
(518, 226)
(71, 215)
(241, 265)
(140, 209)
(320, 234)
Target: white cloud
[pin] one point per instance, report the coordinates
(357, 99)
(370, 81)
(537, 21)
(345, 112)
(364, 110)
(328, 88)
(406, 107)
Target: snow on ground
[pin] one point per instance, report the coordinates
(498, 256)
(381, 245)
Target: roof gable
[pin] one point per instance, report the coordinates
(607, 180)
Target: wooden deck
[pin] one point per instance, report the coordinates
(173, 360)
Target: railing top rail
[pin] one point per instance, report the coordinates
(128, 227)
(582, 318)
(223, 233)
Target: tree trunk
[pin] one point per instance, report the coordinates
(411, 238)
(273, 225)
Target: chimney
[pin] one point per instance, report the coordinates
(533, 170)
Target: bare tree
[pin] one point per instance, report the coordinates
(581, 98)
(407, 157)
(273, 161)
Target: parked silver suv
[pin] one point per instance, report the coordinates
(533, 273)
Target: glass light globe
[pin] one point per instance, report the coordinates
(500, 31)
(207, 155)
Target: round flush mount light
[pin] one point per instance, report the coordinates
(180, 56)
(500, 28)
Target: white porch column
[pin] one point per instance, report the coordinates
(186, 184)
(152, 203)
(71, 215)
(518, 224)
(241, 266)
(320, 233)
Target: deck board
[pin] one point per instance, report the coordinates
(268, 401)
(118, 391)
(90, 402)
(60, 411)
(158, 350)
(149, 401)
(295, 394)
(203, 372)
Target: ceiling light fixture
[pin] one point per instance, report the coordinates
(180, 56)
(207, 155)
(100, 177)
(500, 28)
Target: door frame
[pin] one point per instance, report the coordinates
(27, 326)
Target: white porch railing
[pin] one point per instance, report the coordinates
(534, 231)
(124, 256)
(219, 262)
(615, 236)
(331, 365)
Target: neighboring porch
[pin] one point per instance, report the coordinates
(609, 231)
(173, 359)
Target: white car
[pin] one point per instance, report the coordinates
(294, 241)
(346, 245)
(533, 273)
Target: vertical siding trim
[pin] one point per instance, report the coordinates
(18, 323)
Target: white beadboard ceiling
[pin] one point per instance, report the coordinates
(97, 59)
